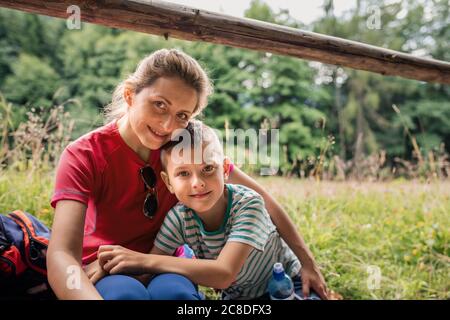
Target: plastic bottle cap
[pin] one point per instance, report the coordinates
(278, 267)
(278, 271)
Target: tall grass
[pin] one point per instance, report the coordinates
(401, 227)
(36, 143)
(29, 152)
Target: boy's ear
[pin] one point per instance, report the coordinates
(166, 180)
(226, 167)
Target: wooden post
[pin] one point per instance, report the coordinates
(178, 21)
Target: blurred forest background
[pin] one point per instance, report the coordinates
(334, 122)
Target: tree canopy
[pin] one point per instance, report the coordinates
(42, 64)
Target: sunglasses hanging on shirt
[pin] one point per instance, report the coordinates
(151, 200)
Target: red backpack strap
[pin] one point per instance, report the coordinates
(23, 218)
(31, 240)
(11, 262)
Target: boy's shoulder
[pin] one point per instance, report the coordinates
(180, 210)
(248, 211)
(242, 190)
(243, 194)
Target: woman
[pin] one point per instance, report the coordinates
(105, 194)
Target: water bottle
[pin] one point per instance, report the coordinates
(281, 286)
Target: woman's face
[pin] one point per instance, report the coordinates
(158, 110)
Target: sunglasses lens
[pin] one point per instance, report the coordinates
(151, 201)
(150, 206)
(149, 176)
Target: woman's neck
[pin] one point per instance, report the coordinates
(130, 138)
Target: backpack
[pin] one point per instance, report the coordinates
(23, 248)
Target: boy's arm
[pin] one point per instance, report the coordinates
(311, 275)
(219, 273)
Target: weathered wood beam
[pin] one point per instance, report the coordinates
(178, 21)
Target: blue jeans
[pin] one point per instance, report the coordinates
(166, 286)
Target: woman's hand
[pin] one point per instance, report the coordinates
(313, 278)
(94, 271)
(117, 259)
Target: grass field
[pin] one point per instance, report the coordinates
(399, 230)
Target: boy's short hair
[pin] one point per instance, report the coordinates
(197, 136)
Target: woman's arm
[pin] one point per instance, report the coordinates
(95, 272)
(65, 274)
(311, 274)
(156, 250)
(219, 273)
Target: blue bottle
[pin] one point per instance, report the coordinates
(281, 286)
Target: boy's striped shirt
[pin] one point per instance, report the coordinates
(247, 221)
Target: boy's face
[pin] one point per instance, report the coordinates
(197, 185)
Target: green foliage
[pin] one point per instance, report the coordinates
(32, 82)
(363, 101)
(42, 63)
(261, 11)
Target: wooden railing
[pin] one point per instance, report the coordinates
(182, 22)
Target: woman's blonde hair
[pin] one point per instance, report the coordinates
(162, 63)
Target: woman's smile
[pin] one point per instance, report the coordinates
(157, 134)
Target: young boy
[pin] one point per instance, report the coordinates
(227, 226)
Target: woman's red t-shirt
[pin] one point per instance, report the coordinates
(100, 170)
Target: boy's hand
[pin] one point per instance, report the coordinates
(94, 271)
(117, 259)
(313, 278)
